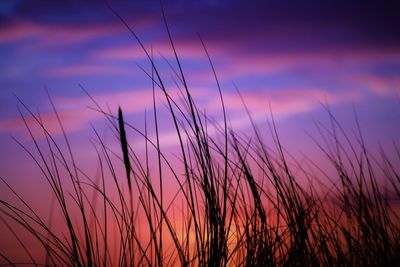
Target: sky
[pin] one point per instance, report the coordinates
(290, 56)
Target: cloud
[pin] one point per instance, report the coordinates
(72, 121)
(283, 100)
(283, 103)
(56, 35)
(378, 84)
(44, 35)
(325, 60)
(75, 113)
(237, 60)
(186, 49)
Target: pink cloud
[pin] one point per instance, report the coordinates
(272, 62)
(186, 49)
(284, 101)
(52, 34)
(19, 30)
(75, 114)
(381, 85)
(131, 101)
(46, 35)
(266, 62)
(72, 121)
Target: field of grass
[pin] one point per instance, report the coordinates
(238, 200)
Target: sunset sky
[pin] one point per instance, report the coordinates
(289, 55)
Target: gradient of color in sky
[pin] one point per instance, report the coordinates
(291, 55)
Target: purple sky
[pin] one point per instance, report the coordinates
(291, 55)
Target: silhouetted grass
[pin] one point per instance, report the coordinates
(238, 201)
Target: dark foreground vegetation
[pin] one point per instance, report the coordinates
(238, 201)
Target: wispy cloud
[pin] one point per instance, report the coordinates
(72, 121)
(378, 84)
(284, 101)
(48, 35)
(265, 62)
(187, 49)
(283, 104)
(44, 35)
(76, 112)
